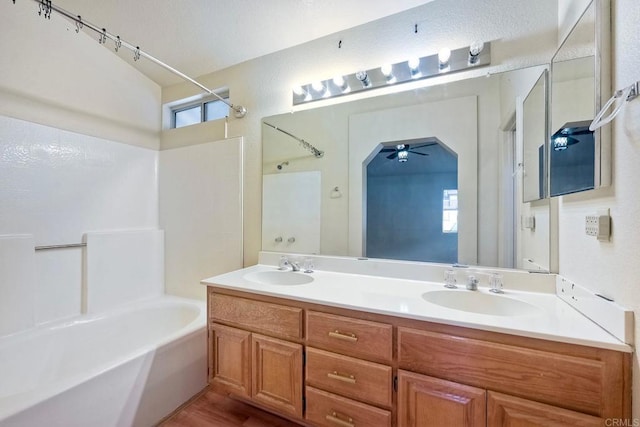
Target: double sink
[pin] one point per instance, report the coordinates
(477, 302)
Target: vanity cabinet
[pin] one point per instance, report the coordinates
(329, 366)
(248, 356)
(526, 381)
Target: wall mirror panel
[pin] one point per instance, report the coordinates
(580, 158)
(429, 174)
(534, 141)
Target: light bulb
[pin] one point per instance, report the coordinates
(387, 72)
(443, 57)
(402, 156)
(318, 86)
(414, 63)
(341, 83)
(476, 48)
(298, 90)
(474, 51)
(364, 78)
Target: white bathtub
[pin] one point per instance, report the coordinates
(128, 367)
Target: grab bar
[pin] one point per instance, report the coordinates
(70, 245)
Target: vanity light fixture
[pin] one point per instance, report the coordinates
(444, 62)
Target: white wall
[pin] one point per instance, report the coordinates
(53, 76)
(263, 85)
(612, 267)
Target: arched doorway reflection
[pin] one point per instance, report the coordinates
(412, 201)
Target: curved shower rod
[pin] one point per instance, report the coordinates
(47, 6)
(317, 153)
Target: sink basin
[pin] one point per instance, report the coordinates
(284, 278)
(480, 303)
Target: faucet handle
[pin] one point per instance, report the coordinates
(472, 283)
(450, 279)
(283, 263)
(496, 283)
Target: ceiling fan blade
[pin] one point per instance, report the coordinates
(392, 155)
(425, 145)
(421, 154)
(386, 150)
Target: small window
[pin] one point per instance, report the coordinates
(188, 116)
(214, 110)
(198, 112)
(450, 211)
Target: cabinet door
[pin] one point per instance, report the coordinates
(504, 410)
(426, 401)
(277, 374)
(229, 360)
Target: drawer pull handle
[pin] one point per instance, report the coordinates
(334, 419)
(343, 336)
(341, 377)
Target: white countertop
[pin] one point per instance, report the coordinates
(556, 320)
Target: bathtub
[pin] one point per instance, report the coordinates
(131, 366)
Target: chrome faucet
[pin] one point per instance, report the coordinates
(472, 283)
(295, 265)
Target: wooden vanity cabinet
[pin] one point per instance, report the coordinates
(326, 366)
(527, 381)
(250, 359)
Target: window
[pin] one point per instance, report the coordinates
(198, 112)
(450, 211)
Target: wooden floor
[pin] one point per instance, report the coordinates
(213, 409)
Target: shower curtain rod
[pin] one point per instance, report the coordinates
(305, 144)
(46, 6)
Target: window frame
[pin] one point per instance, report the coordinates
(202, 104)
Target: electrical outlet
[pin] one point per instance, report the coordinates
(599, 225)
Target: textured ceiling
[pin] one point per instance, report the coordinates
(201, 36)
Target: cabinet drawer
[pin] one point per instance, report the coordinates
(350, 336)
(577, 383)
(271, 319)
(330, 410)
(358, 379)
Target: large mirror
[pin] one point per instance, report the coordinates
(429, 174)
(580, 158)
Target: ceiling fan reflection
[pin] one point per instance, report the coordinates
(401, 151)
